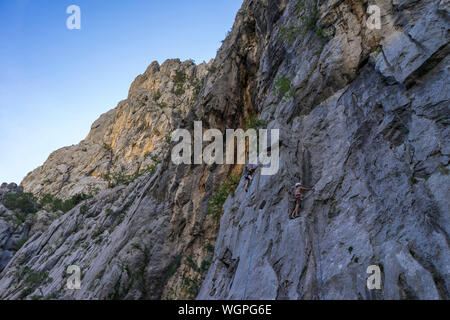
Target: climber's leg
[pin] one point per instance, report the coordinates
(248, 181)
(295, 212)
(298, 207)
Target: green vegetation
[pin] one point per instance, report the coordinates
(155, 158)
(20, 243)
(83, 209)
(197, 85)
(174, 265)
(18, 218)
(33, 280)
(157, 95)
(179, 90)
(192, 274)
(53, 204)
(205, 265)
(443, 169)
(97, 234)
(23, 202)
(192, 282)
(149, 169)
(321, 33)
(192, 286)
(107, 147)
(308, 23)
(217, 200)
(253, 123)
(118, 178)
(191, 264)
(21, 206)
(179, 79)
(162, 105)
(300, 6)
(289, 34)
(152, 156)
(136, 246)
(376, 49)
(52, 296)
(212, 69)
(350, 249)
(260, 124)
(209, 247)
(282, 87)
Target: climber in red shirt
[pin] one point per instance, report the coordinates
(250, 171)
(298, 199)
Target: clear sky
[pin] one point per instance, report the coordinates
(54, 82)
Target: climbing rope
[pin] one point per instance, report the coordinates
(251, 254)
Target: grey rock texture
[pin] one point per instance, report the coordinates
(17, 226)
(12, 235)
(11, 188)
(370, 133)
(376, 152)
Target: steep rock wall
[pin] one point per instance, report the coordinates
(368, 127)
(364, 120)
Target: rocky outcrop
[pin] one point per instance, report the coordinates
(363, 116)
(127, 140)
(12, 235)
(18, 220)
(11, 188)
(13, 232)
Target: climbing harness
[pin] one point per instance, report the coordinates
(302, 199)
(251, 254)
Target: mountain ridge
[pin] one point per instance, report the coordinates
(363, 117)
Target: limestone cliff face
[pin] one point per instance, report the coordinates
(126, 140)
(367, 126)
(363, 117)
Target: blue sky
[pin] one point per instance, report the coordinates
(55, 82)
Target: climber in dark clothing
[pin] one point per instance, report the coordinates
(248, 177)
(298, 199)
